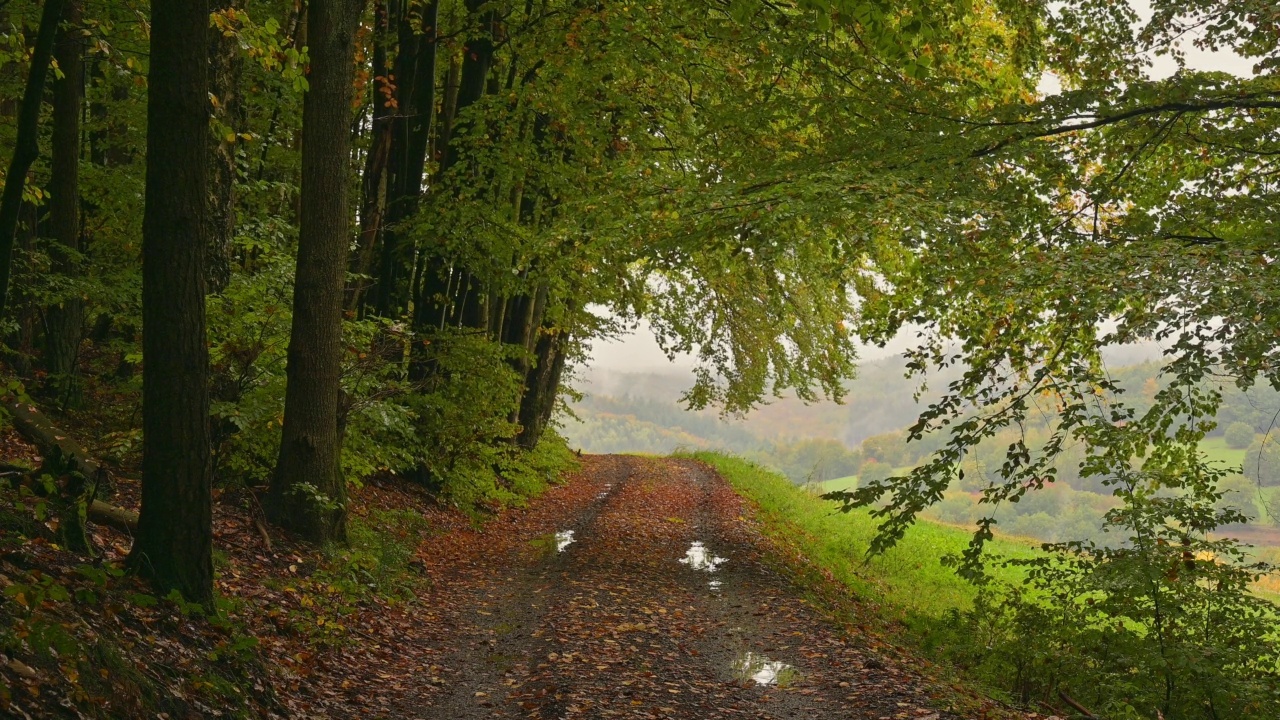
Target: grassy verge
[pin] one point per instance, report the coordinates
(909, 583)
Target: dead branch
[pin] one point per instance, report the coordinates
(1077, 706)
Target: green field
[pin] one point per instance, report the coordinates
(909, 582)
(845, 483)
(1216, 450)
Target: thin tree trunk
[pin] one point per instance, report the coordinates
(373, 180)
(64, 322)
(174, 545)
(308, 492)
(448, 108)
(297, 35)
(27, 146)
(410, 135)
(461, 302)
(228, 112)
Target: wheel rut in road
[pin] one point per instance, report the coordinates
(640, 589)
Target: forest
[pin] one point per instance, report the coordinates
(297, 300)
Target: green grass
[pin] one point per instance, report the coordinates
(909, 582)
(1216, 450)
(845, 483)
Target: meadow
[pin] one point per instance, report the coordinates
(911, 583)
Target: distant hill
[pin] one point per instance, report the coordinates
(864, 436)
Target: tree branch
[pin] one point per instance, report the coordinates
(1238, 103)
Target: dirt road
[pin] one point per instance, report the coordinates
(637, 590)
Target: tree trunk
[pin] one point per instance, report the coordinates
(27, 146)
(542, 385)
(448, 108)
(64, 322)
(410, 133)
(444, 293)
(308, 492)
(477, 60)
(228, 114)
(373, 180)
(174, 546)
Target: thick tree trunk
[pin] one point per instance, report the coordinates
(174, 546)
(64, 322)
(542, 385)
(27, 146)
(308, 492)
(524, 317)
(228, 113)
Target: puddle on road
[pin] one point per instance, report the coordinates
(553, 542)
(763, 671)
(697, 557)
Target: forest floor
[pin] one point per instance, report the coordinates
(639, 588)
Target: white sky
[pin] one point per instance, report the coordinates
(639, 351)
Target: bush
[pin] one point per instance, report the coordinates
(1262, 463)
(888, 448)
(1238, 435)
(465, 447)
(873, 471)
(1164, 624)
(957, 508)
(814, 460)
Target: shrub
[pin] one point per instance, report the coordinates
(1238, 435)
(1164, 623)
(1262, 463)
(465, 448)
(888, 448)
(873, 471)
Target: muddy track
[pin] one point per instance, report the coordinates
(659, 605)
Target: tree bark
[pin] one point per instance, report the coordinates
(27, 146)
(410, 129)
(174, 546)
(373, 180)
(477, 60)
(64, 322)
(542, 385)
(308, 492)
(225, 67)
(443, 291)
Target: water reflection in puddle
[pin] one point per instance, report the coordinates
(698, 557)
(553, 542)
(764, 671)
